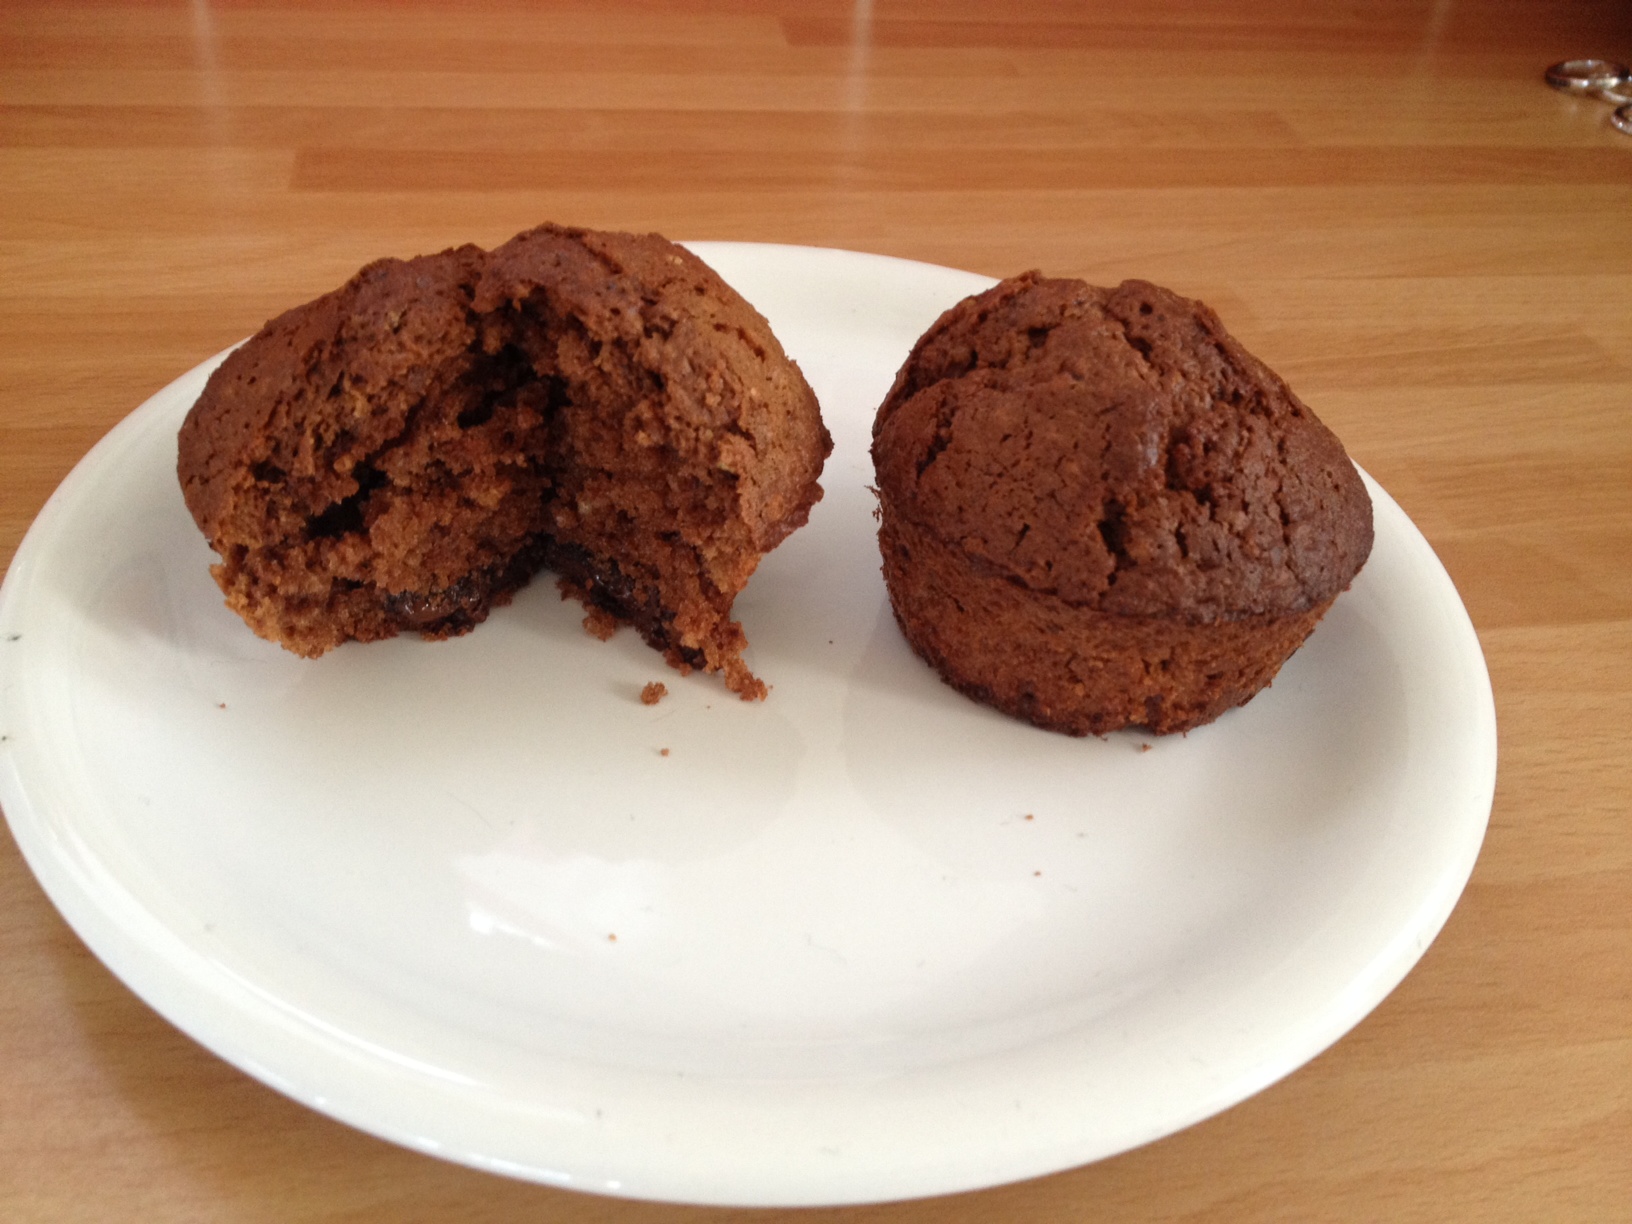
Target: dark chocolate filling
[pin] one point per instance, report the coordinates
(602, 583)
(466, 603)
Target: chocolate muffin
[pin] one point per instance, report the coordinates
(1097, 510)
(405, 452)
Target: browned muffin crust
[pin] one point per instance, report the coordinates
(1098, 510)
(403, 453)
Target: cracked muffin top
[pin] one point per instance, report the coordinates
(1119, 450)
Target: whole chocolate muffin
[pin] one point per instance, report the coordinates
(1097, 510)
(405, 452)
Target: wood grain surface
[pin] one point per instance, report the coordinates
(1381, 198)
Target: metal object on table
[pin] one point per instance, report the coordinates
(1586, 75)
(1605, 80)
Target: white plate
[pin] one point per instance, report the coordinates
(866, 940)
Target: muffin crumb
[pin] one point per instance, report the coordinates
(598, 622)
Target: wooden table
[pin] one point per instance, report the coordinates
(1382, 199)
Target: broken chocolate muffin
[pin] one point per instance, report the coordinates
(405, 452)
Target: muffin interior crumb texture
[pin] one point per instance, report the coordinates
(1098, 510)
(404, 453)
